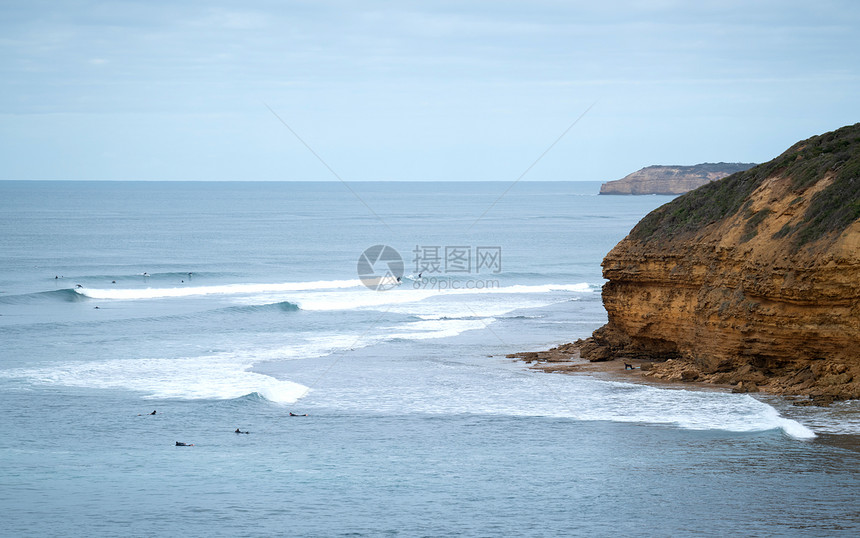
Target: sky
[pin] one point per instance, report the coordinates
(407, 90)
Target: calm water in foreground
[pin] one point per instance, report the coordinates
(417, 426)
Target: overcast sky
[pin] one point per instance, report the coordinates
(466, 90)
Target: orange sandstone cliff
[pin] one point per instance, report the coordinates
(752, 280)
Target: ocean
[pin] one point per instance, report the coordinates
(225, 306)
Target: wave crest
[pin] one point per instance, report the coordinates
(130, 294)
(66, 295)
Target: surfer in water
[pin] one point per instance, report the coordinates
(184, 444)
(78, 286)
(239, 431)
(295, 415)
(148, 414)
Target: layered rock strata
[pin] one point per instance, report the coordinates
(671, 179)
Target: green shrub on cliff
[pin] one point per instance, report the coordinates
(833, 209)
(753, 220)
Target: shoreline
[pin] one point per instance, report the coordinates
(566, 359)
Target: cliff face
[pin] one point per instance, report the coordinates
(753, 280)
(671, 179)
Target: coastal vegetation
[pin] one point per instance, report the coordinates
(833, 156)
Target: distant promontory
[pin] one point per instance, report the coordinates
(672, 179)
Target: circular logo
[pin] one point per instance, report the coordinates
(380, 268)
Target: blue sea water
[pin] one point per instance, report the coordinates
(230, 305)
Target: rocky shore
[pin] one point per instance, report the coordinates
(571, 358)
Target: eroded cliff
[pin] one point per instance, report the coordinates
(752, 280)
(671, 179)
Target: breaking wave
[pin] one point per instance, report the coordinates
(208, 377)
(130, 294)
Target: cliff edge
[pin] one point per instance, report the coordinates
(752, 280)
(671, 179)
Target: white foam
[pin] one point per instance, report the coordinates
(795, 429)
(129, 294)
(364, 298)
(448, 387)
(222, 375)
(695, 410)
(484, 307)
(260, 291)
(207, 377)
(423, 386)
(305, 346)
(840, 418)
(439, 328)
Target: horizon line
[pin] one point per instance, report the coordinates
(304, 180)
